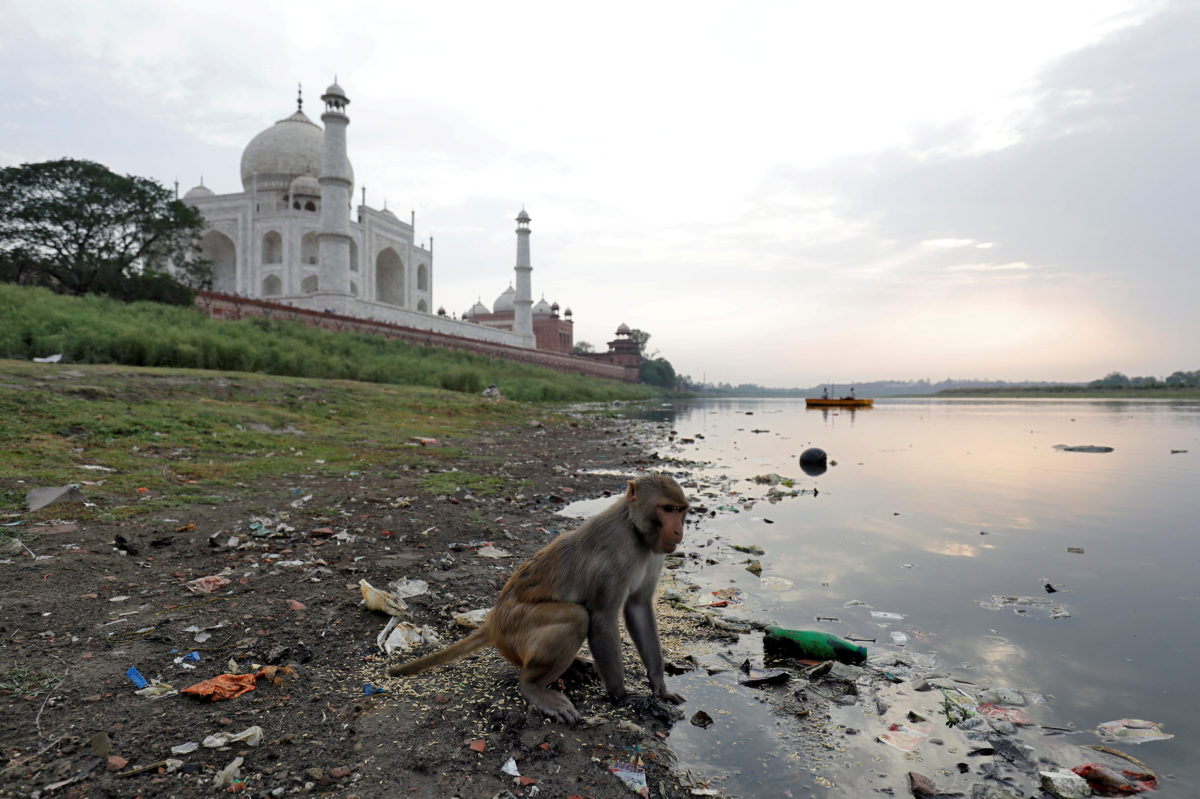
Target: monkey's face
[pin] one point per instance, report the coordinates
(670, 526)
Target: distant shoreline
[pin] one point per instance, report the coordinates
(1081, 392)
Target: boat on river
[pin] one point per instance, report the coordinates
(838, 402)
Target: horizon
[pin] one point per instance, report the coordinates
(785, 194)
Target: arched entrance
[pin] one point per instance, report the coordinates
(219, 250)
(389, 278)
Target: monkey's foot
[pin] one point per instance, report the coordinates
(554, 704)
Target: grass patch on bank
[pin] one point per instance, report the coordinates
(141, 439)
(35, 322)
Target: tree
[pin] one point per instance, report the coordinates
(89, 229)
(640, 337)
(582, 348)
(657, 372)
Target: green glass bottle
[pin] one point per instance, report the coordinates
(811, 645)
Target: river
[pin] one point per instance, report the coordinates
(935, 510)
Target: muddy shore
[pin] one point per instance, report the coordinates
(86, 601)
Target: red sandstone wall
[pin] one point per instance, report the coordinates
(227, 306)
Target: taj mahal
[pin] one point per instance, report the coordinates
(293, 236)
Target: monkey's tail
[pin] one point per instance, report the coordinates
(478, 639)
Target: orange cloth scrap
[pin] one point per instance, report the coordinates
(228, 686)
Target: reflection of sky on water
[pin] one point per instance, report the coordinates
(934, 507)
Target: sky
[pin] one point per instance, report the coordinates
(782, 193)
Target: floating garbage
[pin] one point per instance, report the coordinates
(1014, 715)
(755, 678)
(1132, 731)
(1081, 448)
(701, 719)
(810, 645)
(906, 737)
(1022, 605)
(1110, 782)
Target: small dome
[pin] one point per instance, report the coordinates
(523, 216)
(567, 312)
(542, 308)
(505, 301)
(305, 186)
(441, 310)
(476, 309)
(335, 90)
(196, 192)
(623, 330)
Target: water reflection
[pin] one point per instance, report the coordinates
(933, 508)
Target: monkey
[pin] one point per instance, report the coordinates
(574, 589)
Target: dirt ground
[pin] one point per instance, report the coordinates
(88, 601)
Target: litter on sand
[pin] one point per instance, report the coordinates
(632, 774)
(228, 686)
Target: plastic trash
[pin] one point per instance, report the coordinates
(157, 690)
(251, 736)
(757, 677)
(701, 719)
(494, 552)
(136, 677)
(206, 585)
(230, 774)
(811, 645)
(1108, 782)
(1014, 715)
(38, 498)
(371, 690)
(185, 749)
(906, 737)
(472, 618)
(382, 601)
(632, 774)
(401, 636)
(1132, 731)
(510, 767)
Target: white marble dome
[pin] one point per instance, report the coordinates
(505, 301)
(542, 308)
(283, 152)
(196, 192)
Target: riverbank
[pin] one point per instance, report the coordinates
(224, 523)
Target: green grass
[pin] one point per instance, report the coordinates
(23, 682)
(35, 322)
(168, 438)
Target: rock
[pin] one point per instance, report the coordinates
(339, 772)
(920, 785)
(116, 763)
(38, 498)
(1065, 784)
(1002, 696)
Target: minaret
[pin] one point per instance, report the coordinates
(523, 304)
(334, 236)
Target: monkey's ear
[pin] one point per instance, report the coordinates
(631, 492)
